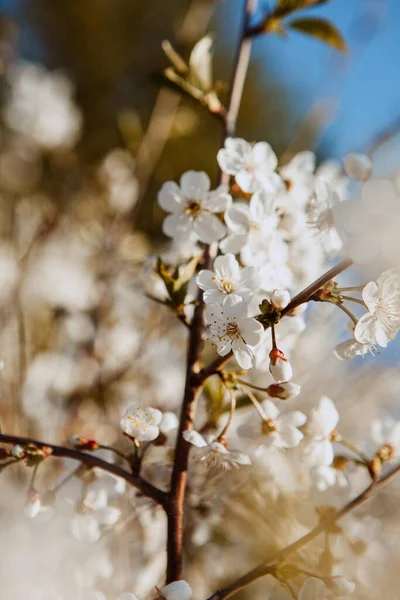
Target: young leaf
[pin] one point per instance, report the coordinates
(320, 29)
(285, 7)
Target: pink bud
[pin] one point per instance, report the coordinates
(279, 367)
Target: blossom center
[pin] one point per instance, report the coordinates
(232, 330)
(268, 426)
(226, 286)
(193, 208)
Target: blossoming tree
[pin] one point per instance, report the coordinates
(244, 250)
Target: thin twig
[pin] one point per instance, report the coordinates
(91, 461)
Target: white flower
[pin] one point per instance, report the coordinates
(177, 590)
(382, 322)
(321, 216)
(368, 226)
(358, 166)
(252, 165)
(253, 231)
(341, 586)
(298, 176)
(351, 348)
(228, 278)
(229, 327)
(141, 423)
(194, 208)
(279, 431)
(215, 455)
(321, 423)
(279, 366)
(325, 477)
(86, 528)
(386, 433)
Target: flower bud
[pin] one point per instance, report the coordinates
(284, 391)
(279, 367)
(341, 586)
(177, 590)
(18, 451)
(280, 299)
(358, 166)
(83, 443)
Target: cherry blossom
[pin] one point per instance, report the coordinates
(320, 425)
(252, 165)
(141, 423)
(275, 430)
(228, 278)
(321, 216)
(350, 348)
(382, 322)
(194, 208)
(214, 454)
(229, 327)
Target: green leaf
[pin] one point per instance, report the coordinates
(322, 30)
(285, 7)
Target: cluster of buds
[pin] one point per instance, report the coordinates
(80, 442)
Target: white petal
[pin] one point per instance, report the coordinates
(205, 280)
(170, 197)
(365, 331)
(243, 355)
(227, 267)
(195, 184)
(270, 409)
(247, 181)
(251, 330)
(313, 589)
(218, 201)
(233, 243)
(209, 228)
(195, 438)
(234, 306)
(264, 156)
(237, 218)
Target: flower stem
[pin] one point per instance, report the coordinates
(351, 299)
(348, 313)
(256, 403)
(230, 418)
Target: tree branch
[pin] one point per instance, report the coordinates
(265, 567)
(176, 497)
(90, 461)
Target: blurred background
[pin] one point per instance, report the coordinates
(89, 132)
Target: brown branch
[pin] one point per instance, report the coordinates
(176, 497)
(265, 567)
(304, 296)
(90, 461)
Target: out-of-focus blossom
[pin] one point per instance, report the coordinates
(275, 430)
(40, 106)
(320, 425)
(358, 166)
